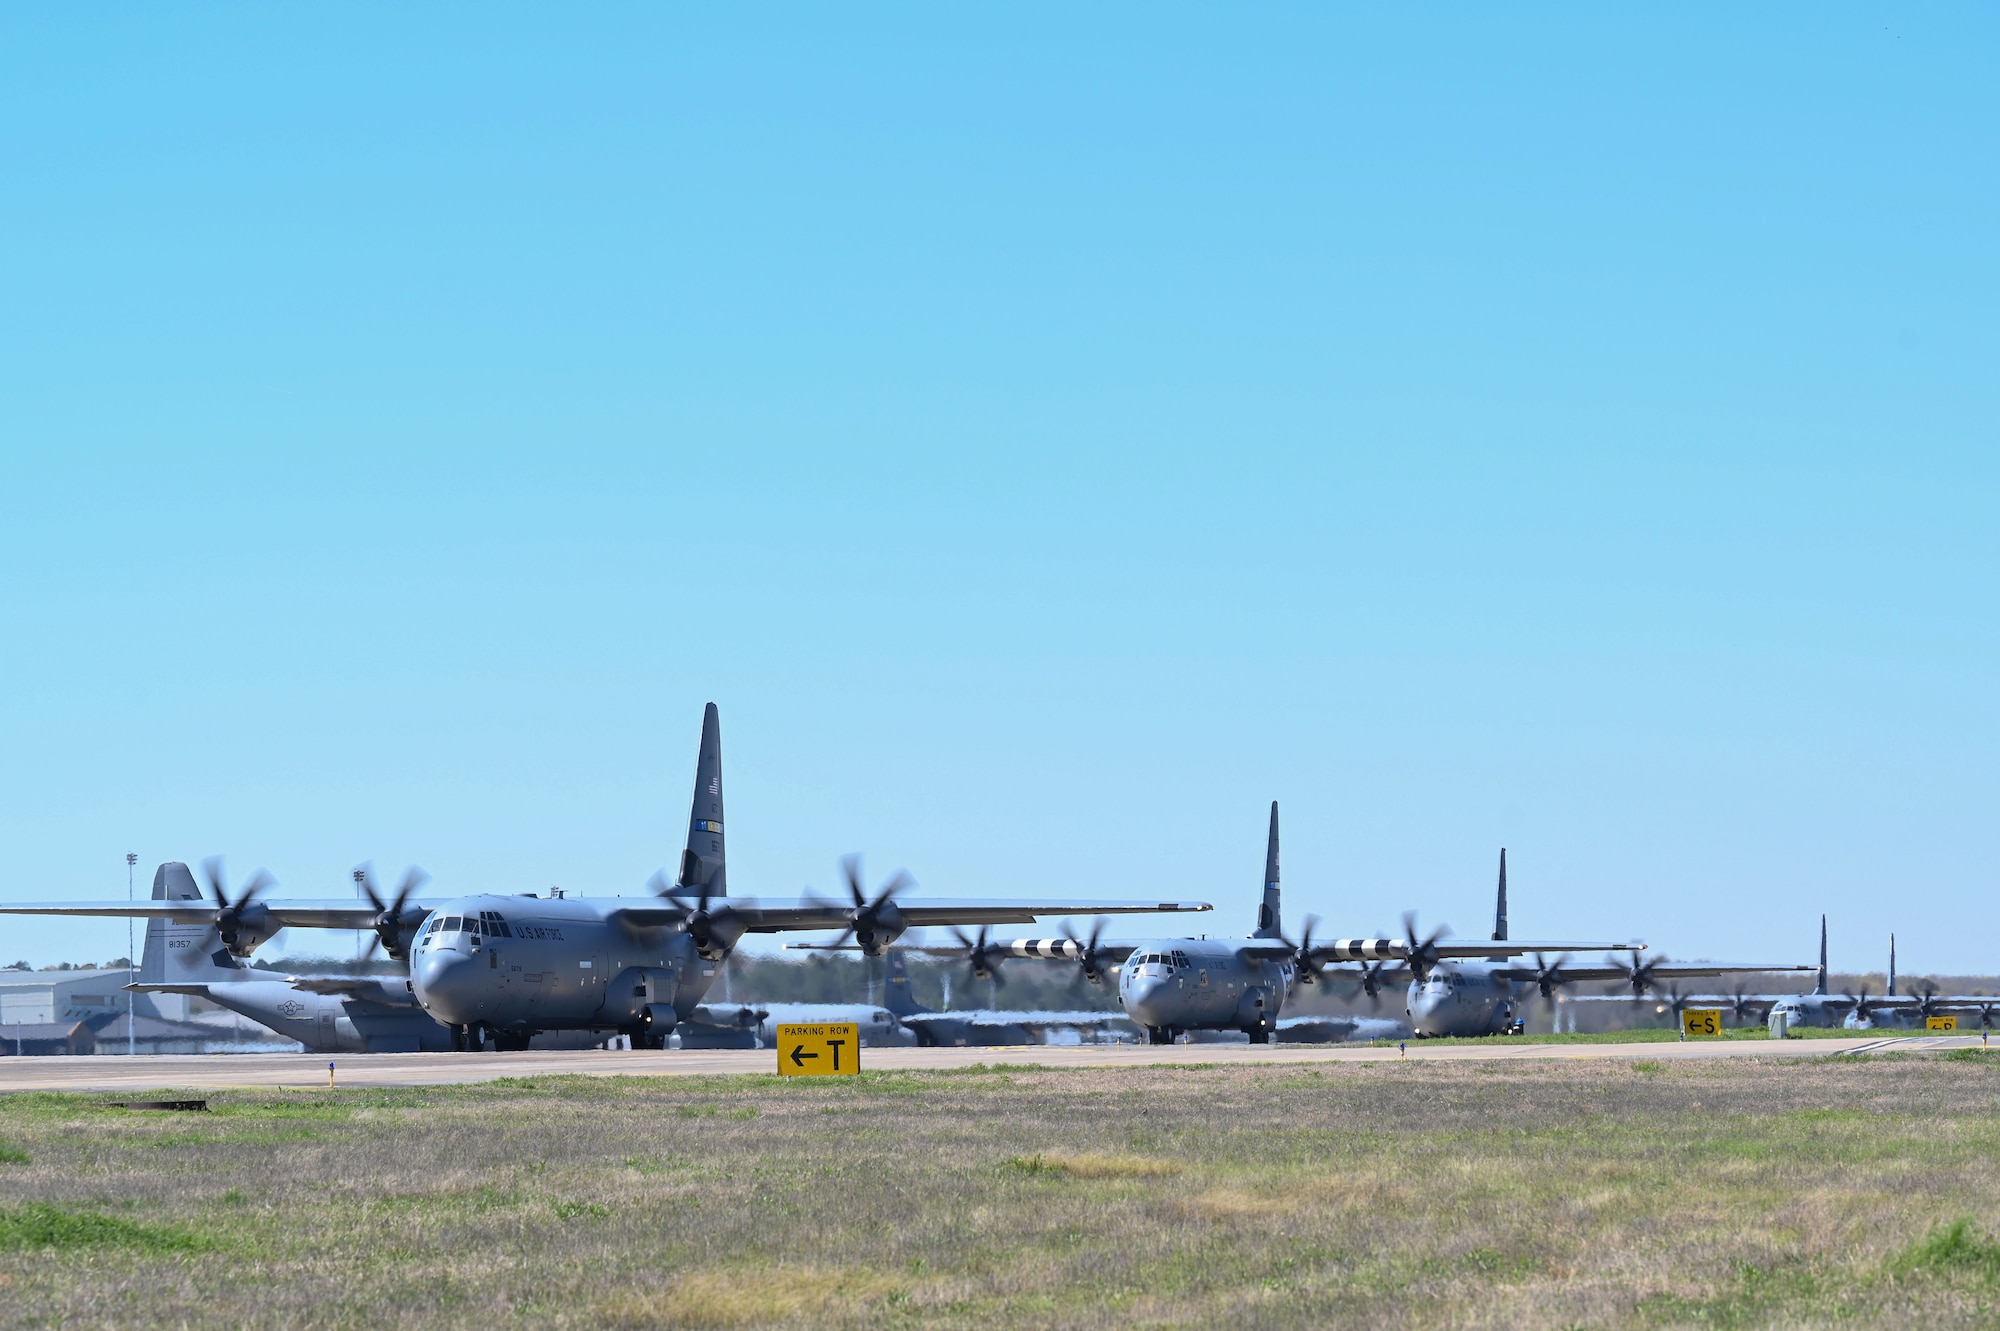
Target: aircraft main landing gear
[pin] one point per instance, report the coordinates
(1159, 1035)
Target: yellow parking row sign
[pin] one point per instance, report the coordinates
(830, 1050)
(1940, 1023)
(1701, 1021)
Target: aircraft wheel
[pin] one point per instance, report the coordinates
(512, 1042)
(458, 1039)
(1159, 1035)
(1260, 1033)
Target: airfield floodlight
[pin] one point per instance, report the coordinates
(131, 1036)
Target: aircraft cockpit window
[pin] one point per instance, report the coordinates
(453, 923)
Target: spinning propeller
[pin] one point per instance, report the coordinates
(1744, 1008)
(874, 922)
(1422, 957)
(982, 958)
(389, 922)
(1306, 957)
(713, 929)
(241, 915)
(1638, 974)
(1674, 1001)
(1371, 981)
(1089, 955)
(1549, 977)
(1863, 1004)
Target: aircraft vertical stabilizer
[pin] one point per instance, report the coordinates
(1268, 922)
(702, 863)
(183, 953)
(1500, 911)
(1820, 988)
(898, 995)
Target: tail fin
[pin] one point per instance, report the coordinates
(1892, 966)
(183, 953)
(898, 995)
(1500, 911)
(1820, 988)
(1268, 922)
(702, 863)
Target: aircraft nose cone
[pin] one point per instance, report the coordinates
(446, 983)
(1141, 1001)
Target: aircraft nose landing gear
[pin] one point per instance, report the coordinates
(469, 1039)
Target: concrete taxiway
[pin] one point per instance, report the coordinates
(108, 1073)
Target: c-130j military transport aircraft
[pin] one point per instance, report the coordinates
(1488, 996)
(1176, 985)
(502, 968)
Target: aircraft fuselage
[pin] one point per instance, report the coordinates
(1462, 998)
(341, 1023)
(523, 964)
(1187, 984)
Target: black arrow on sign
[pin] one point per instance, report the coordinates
(799, 1054)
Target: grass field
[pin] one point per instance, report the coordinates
(1516, 1195)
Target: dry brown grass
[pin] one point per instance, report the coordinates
(1424, 1194)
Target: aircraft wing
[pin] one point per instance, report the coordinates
(770, 916)
(1398, 949)
(1030, 949)
(338, 913)
(992, 1017)
(1666, 970)
(373, 988)
(1749, 1001)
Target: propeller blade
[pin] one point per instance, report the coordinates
(365, 876)
(211, 869)
(900, 883)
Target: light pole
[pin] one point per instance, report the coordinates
(358, 883)
(131, 1035)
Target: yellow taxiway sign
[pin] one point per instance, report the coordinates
(1940, 1023)
(832, 1050)
(1701, 1021)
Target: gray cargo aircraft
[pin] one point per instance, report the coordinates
(325, 1013)
(1174, 986)
(899, 1020)
(1489, 997)
(503, 968)
(1856, 1011)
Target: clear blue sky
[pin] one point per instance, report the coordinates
(1049, 433)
